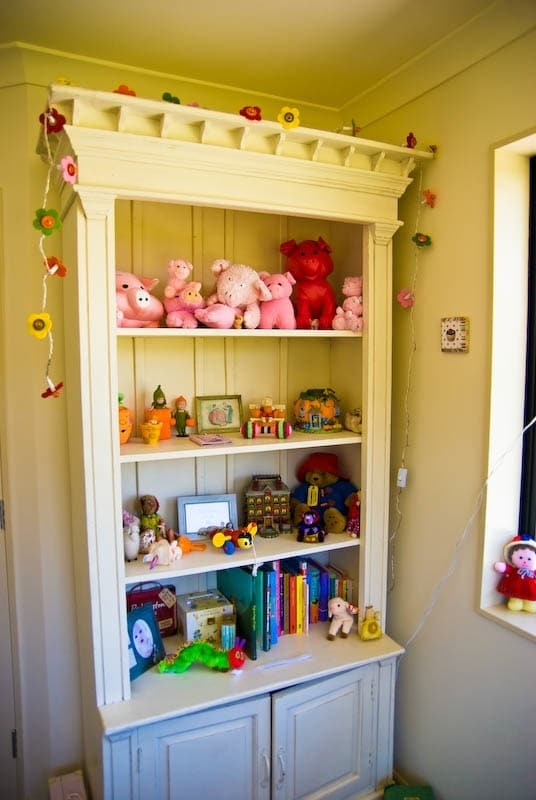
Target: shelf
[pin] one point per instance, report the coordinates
(214, 559)
(295, 659)
(178, 447)
(134, 333)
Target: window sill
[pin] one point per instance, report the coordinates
(518, 621)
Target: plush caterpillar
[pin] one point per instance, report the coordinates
(206, 654)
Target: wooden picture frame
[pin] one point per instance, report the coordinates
(197, 513)
(219, 413)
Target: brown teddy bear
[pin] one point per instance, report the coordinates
(322, 486)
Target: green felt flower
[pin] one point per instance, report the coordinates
(47, 220)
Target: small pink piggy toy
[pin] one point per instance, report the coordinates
(278, 312)
(135, 306)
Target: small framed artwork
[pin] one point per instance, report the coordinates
(219, 414)
(200, 512)
(145, 648)
(455, 334)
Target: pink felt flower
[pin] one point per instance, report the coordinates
(69, 170)
(406, 298)
(429, 198)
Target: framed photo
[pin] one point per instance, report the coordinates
(200, 512)
(219, 414)
(145, 648)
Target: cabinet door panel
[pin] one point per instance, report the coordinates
(322, 738)
(214, 755)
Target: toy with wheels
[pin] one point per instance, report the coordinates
(279, 428)
(229, 539)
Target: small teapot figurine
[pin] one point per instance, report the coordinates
(131, 536)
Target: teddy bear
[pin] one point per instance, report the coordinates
(341, 615)
(314, 299)
(180, 309)
(322, 486)
(279, 311)
(239, 291)
(349, 316)
(518, 570)
(178, 272)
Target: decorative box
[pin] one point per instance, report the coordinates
(201, 615)
(317, 411)
(268, 505)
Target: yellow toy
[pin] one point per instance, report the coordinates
(369, 627)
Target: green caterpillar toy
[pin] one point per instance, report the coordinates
(205, 653)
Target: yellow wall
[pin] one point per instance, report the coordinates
(465, 713)
(465, 710)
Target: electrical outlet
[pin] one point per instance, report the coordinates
(401, 478)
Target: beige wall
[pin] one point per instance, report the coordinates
(465, 702)
(465, 705)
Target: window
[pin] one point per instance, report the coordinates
(509, 347)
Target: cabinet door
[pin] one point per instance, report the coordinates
(322, 738)
(219, 754)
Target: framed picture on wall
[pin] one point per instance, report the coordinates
(222, 413)
(145, 648)
(199, 513)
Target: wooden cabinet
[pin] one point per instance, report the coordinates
(155, 182)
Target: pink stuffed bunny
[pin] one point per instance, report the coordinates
(279, 311)
(181, 308)
(239, 291)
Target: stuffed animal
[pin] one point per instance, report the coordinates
(178, 273)
(322, 486)
(152, 524)
(135, 306)
(239, 291)
(279, 311)
(310, 528)
(182, 307)
(353, 420)
(341, 615)
(314, 299)
(518, 582)
(205, 653)
(353, 522)
(349, 316)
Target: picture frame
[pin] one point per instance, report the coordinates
(219, 413)
(197, 513)
(145, 648)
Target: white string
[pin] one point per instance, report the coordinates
(459, 544)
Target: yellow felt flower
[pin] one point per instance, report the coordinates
(39, 324)
(289, 117)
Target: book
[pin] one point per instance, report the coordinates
(273, 600)
(263, 609)
(209, 439)
(239, 585)
(323, 576)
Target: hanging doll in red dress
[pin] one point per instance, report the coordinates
(518, 570)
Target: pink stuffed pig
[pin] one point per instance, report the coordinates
(178, 272)
(135, 306)
(314, 299)
(279, 311)
(181, 308)
(349, 316)
(239, 290)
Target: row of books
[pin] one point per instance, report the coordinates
(281, 597)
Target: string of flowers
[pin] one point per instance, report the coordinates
(47, 221)
(406, 299)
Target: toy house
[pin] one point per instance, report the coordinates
(268, 504)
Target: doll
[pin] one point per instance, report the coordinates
(183, 419)
(518, 582)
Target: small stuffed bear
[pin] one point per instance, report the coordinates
(518, 570)
(310, 528)
(152, 525)
(341, 615)
(322, 487)
(314, 299)
(239, 291)
(279, 311)
(181, 307)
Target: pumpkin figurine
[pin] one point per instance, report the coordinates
(125, 422)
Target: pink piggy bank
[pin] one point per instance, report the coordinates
(135, 306)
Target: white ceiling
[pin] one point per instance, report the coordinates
(324, 52)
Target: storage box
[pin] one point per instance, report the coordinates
(67, 787)
(408, 793)
(201, 615)
(163, 601)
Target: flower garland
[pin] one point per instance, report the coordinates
(47, 221)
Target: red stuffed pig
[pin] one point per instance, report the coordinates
(314, 299)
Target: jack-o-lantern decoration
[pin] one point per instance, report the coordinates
(125, 422)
